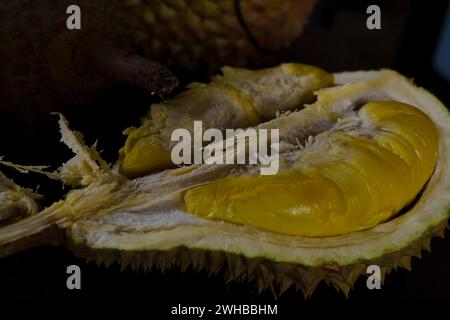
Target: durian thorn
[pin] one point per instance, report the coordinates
(94, 56)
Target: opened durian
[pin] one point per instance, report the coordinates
(363, 179)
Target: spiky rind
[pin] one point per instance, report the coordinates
(265, 273)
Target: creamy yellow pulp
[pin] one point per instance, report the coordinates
(367, 180)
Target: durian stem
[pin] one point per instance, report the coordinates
(94, 56)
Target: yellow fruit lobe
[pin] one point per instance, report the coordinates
(143, 157)
(239, 98)
(359, 181)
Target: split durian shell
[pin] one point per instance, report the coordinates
(142, 223)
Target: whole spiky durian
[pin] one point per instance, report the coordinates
(188, 35)
(47, 67)
(43, 59)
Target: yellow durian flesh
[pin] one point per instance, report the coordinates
(362, 179)
(238, 99)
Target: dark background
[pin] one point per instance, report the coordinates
(335, 39)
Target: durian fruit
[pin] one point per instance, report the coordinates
(49, 68)
(200, 36)
(363, 180)
(238, 99)
(42, 54)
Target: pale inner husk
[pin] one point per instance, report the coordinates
(15, 201)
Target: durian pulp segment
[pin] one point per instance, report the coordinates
(238, 99)
(346, 180)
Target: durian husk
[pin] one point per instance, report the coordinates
(193, 36)
(90, 216)
(15, 201)
(278, 276)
